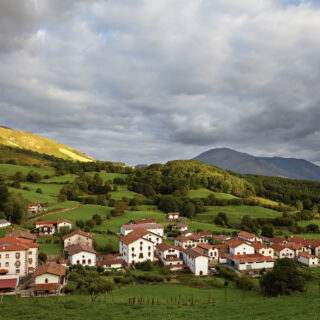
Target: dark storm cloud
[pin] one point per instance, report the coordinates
(144, 81)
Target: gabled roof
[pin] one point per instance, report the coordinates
(195, 253)
(306, 255)
(246, 235)
(280, 247)
(166, 246)
(50, 222)
(234, 243)
(14, 244)
(206, 246)
(52, 268)
(22, 234)
(76, 248)
(134, 236)
(78, 232)
(109, 259)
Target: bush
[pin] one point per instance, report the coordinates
(215, 283)
(227, 273)
(149, 278)
(145, 266)
(245, 283)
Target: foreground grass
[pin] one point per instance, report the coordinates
(207, 304)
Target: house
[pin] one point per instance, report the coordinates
(4, 223)
(251, 262)
(81, 254)
(153, 227)
(18, 257)
(239, 247)
(211, 251)
(191, 240)
(282, 251)
(78, 237)
(170, 256)
(22, 235)
(248, 236)
(220, 238)
(308, 259)
(36, 209)
(173, 216)
(263, 249)
(182, 227)
(51, 227)
(137, 247)
(110, 261)
(49, 278)
(196, 261)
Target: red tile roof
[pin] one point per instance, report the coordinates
(250, 258)
(76, 248)
(233, 243)
(166, 246)
(78, 232)
(109, 259)
(148, 226)
(21, 234)
(246, 235)
(134, 236)
(195, 252)
(306, 255)
(15, 244)
(8, 283)
(52, 268)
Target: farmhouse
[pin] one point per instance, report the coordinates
(36, 209)
(137, 247)
(170, 256)
(153, 227)
(251, 262)
(248, 236)
(51, 227)
(191, 240)
(81, 254)
(78, 237)
(196, 261)
(4, 223)
(239, 247)
(282, 251)
(182, 227)
(173, 216)
(18, 257)
(109, 261)
(308, 259)
(211, 251)
(263, 249)
(49, 278)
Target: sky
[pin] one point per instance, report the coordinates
(150, 81)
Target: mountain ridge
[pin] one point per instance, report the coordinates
(244, 163)
(25, 140)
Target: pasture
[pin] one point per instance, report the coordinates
(11, 169)
(198, 303)
(204, 193)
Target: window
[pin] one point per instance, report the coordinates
(140, 255)
(17, 264)
(132, 249)
(141, 248)
(132, 255)
(78, 261)
(83, 261)
(17, 255)
(7, 255)
(141, 243)
(149, 248)
(149, 254)
(17, 270)
(7, 264)
(30, 253)
(89, 261)
(46, 280)
(30, 260)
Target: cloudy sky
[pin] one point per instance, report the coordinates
(151, 80)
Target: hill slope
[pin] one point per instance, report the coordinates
(268, 166)
(29, 141)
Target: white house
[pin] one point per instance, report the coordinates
(170, 256)
(110, 261)
(238, 246)
(263, 249)
(153, 227)
(211, 251)
(308, 259)
(196, 261)
(182, 227)
(172, 216)
(4, 223)
(136, 247)
(18, 257)
(81, 254)
(49, 278)
(191, 240)
(78, 237)
(51, 227)
(282, 251)
(248, 236)
(251, 262)
(36, 208)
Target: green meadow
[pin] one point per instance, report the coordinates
(11, 169)
(204, 193)
(166, 301)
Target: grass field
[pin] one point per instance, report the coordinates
(11, 169)
(50, 249)
(67, 178)
(33, 196)
(235, 213)
(123, 192)
(108, 176)
(230, 305)
(204, 193)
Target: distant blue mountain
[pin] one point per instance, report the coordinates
(268, 166)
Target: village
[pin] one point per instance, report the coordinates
(199, 253)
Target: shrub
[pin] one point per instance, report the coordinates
(145, 266)
(245, 283)
(150, 278)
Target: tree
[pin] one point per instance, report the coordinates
(33, 176)
(39, 190)
(299, 205)
(15, 208)
(267, 230)
(221, 219)
(312, 227)
(42, 257)
(188, 210)
(284, 279)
